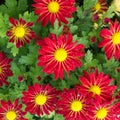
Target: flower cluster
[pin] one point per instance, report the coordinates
(49, 51)
(91, 100)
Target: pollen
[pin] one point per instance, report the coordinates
(19, 31)
(98, 6)
(40, 99)
(0, 70)
(95, 89)
(116, 38)
(60, 54)
(101, 113)
(53, 7)
(76, 106)
(11, 115)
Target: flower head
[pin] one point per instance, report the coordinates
(74, 105)
(40, 99)
(50, 10)
(116, 4)
(60, 54)
(97, 85)
(111, 40)
(5, 71)
(11, 111)
(20, 32)
(104, 111)
(100, 7)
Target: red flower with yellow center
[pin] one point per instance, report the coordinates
(104, 111)
(74, 105)
(5, 71)
(11, 111)
(20, 32)
(40, 99)
(97, 85)
(111, 40)
(100, 7)
(59, 54)
(50, 10)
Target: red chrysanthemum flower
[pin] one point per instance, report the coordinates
(50, 10)
(74, 105)
(111, 40)
(60, 54)
(11, 111)
(40, 99)
(100, 7)
(104, 111)
(116, 111)
(20, 32)
(5, 71)
(97, 85)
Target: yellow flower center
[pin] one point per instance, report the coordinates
(40, 99)
(19, 31)
(60, 54)
(101, 113)
(98, 6)
(11, 115)
(95, 89)
(116, 38)
(0, 69)
(53, 7)
(76, 106)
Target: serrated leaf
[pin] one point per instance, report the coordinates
(111, 63)
(28, 16)
(22, 5)
(110, 12)
(79, 12)
(14, 50)
(57, 29)
(88, 4)
(4, 24)
(10, 3)
(58, 117)
(13, 7)
(88, 56)
(84, 40)
(29, 59)
(73, 28)
(29, 116)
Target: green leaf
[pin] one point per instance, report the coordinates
(29, 116)
(22, 5)
(73, 28)
(89, 61)
(58, 117)
(28, 16)
(84, 39)
(111, 64)
(28, 59)
(35, 72)
(31, 57)
(57, 29)
(88, 56)
(88, 4)
(110, 12)
(14, 50)
(13, 8)
(4, 24)
(79, 12)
